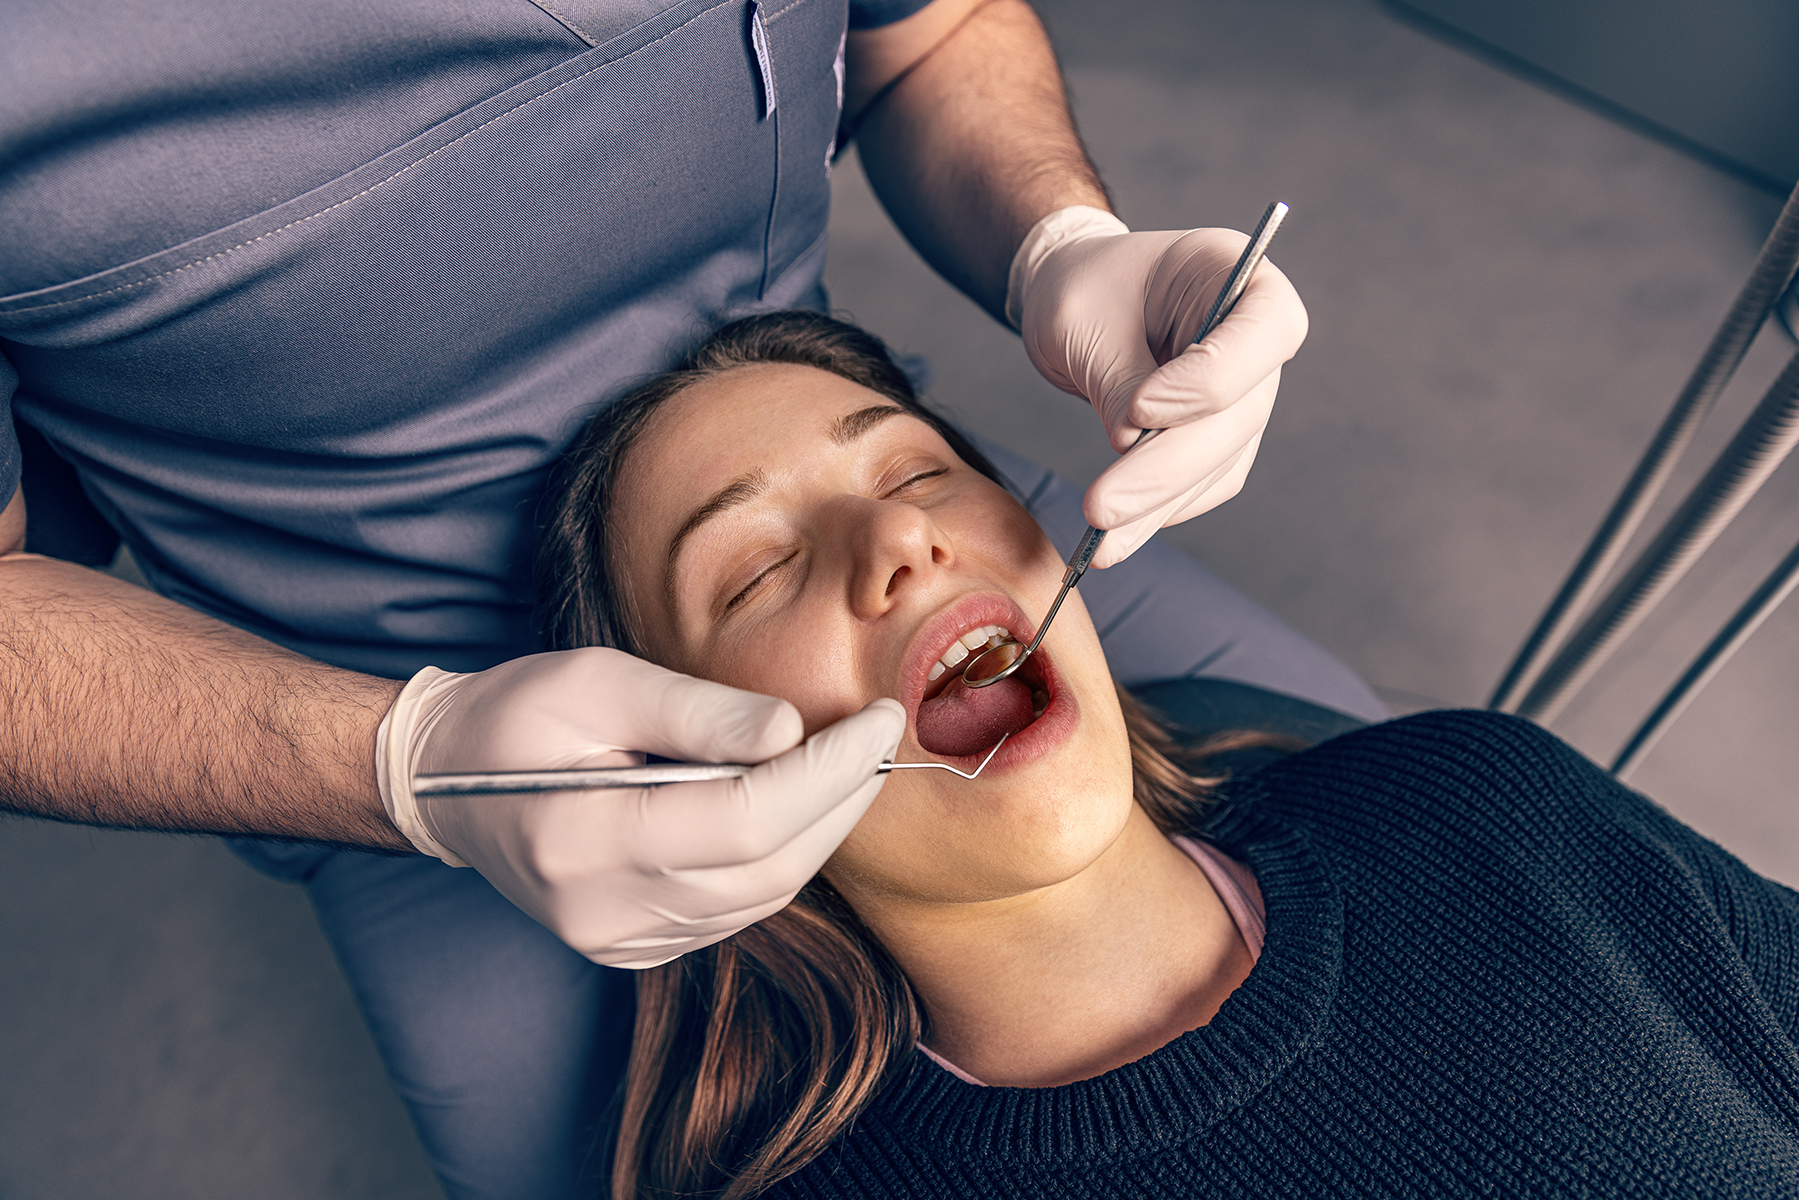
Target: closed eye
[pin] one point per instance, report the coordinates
(918, 478)
(763, 575)
(758, 581)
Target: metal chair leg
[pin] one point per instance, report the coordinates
(1774, 269)
(1774, 589)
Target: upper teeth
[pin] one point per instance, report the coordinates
(975, 640)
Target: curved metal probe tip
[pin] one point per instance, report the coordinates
(581, 779)
(893, 766)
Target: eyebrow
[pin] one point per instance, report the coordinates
(847, 429)
(744, 488)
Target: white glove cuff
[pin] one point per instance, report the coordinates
(1076, 223)
(393, 766)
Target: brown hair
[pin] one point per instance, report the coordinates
(752, 1055)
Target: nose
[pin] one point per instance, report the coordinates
(893, 547)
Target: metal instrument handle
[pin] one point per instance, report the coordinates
(602, 778)
(1247, 262)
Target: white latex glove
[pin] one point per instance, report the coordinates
(629, 877)
(1109, 315)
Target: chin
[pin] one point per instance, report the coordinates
(1055, 796)
(1001, 844)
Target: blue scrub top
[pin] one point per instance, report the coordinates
(313, 295)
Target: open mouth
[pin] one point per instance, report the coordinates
(955, 720)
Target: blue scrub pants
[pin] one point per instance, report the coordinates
(506, 1045)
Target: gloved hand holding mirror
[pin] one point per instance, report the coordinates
(1111, 316)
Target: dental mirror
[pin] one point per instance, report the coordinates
(651, 775)
(1001, 661)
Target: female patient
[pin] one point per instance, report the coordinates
(1485, 969)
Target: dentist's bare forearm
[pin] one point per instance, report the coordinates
(975, 144)
(120, 708)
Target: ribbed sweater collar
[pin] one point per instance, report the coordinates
(1176, 1093)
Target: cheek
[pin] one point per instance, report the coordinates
(802, 658)
(988, 526)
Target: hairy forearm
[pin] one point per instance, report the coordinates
(120, 708)
(974, 143)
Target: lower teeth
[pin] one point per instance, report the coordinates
(1039, 702)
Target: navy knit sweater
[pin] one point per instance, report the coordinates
(1490, 970)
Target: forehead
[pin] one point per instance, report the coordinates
(774, 419)
(754, 416)
(747, 397)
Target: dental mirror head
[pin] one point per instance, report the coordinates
(994, 663)
(1002, 661)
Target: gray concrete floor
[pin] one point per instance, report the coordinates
(1506, 292)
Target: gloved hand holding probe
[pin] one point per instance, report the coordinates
(630, 878)
(1110, 315)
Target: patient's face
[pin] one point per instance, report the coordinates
(783, 530)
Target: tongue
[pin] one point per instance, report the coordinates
(962, 720)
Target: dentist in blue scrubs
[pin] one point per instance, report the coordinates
(302, 301)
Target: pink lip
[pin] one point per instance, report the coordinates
(935, 635)
(1059, 717)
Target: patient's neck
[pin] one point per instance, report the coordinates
(1072, 980)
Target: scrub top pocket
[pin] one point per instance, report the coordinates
(805, 47)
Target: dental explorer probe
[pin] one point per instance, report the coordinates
(652, 775)
(1006, 657)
